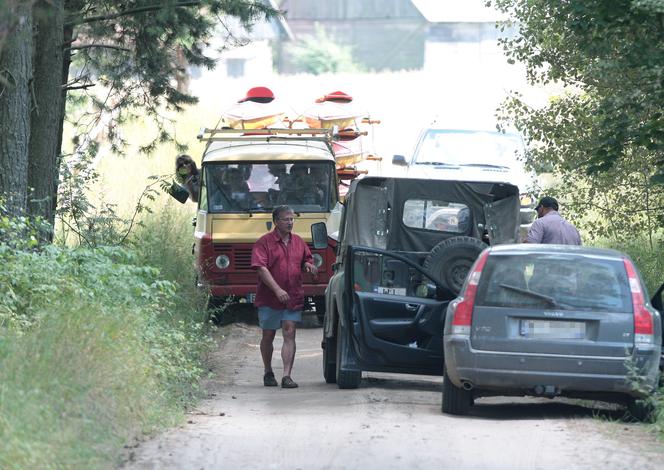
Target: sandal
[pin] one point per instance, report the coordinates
(287, 382)
(269, 380)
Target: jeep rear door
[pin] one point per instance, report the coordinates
(396, 312)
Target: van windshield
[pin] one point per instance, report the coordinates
(260, 186)
(451, 147)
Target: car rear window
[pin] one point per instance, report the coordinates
(555, 282)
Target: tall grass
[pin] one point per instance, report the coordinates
(96, 347)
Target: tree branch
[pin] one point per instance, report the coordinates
(103, 46)
(78, 87)
(132, 11)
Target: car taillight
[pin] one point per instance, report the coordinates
(643, 320)
(463, 313)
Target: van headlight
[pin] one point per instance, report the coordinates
(318, 260)
(222, 261)
(526, 200)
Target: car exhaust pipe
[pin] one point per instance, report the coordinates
(467, 385)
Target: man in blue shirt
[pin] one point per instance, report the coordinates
(550, 227)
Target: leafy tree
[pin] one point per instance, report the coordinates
(131, 49)
(318, 54)
(605, 134)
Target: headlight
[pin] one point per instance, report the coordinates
(526, 200)
(318, 260)
(222, 261)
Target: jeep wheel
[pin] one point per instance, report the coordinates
(451, 260)
(330, 360)
(346, 378)
(456, 401)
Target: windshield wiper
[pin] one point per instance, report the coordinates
(437, 163)
(550, 300)
(486, 165)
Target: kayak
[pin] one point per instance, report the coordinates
(333, 109)
(348, 152)
(253, 115)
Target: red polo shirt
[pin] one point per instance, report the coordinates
(285, 262)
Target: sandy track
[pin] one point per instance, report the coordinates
(391, 421)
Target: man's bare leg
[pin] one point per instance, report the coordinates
(288, 348)
(267, 348)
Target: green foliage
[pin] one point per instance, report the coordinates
(95, 348)
(610, 52)
(319, 54)
(137, 50)
(604, 136)
(165, 239)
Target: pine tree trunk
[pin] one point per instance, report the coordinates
(47, 113)
(16, 75)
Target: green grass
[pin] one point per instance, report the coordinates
(96, 348)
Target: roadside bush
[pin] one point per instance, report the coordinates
(93, 351)
(164, 239)
(645, 252)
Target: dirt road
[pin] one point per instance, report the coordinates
(391, 421)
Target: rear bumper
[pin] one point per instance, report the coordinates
(525, 372)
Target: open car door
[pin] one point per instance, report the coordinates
(397, 313)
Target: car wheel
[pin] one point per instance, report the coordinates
(456, 401)
(346, 378)
(641, 410)
(451, 260)
(330, 360)
(319, 305)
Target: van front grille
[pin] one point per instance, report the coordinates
(240, 257)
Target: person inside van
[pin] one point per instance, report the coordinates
(302, 188)
(235, 187)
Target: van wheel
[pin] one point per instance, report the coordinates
(330, 360)
(451, 260)
(641, 410)
(217, 308)
(456, 401)
(346, 378)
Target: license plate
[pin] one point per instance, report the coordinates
(391, 290)
(251, 297)
(552, 329)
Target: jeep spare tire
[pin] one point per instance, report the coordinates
(451, 260)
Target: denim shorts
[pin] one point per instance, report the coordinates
(270, 318)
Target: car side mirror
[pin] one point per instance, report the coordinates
(178, 192)
(399, 160)
(319, 235)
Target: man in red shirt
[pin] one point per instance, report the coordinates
(280, 257)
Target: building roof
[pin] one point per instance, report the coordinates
(458, 11)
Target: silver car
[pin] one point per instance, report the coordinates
(551, 320)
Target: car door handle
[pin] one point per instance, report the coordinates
(412, 307)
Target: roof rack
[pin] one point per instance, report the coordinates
(224, 134)
(265, 135)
